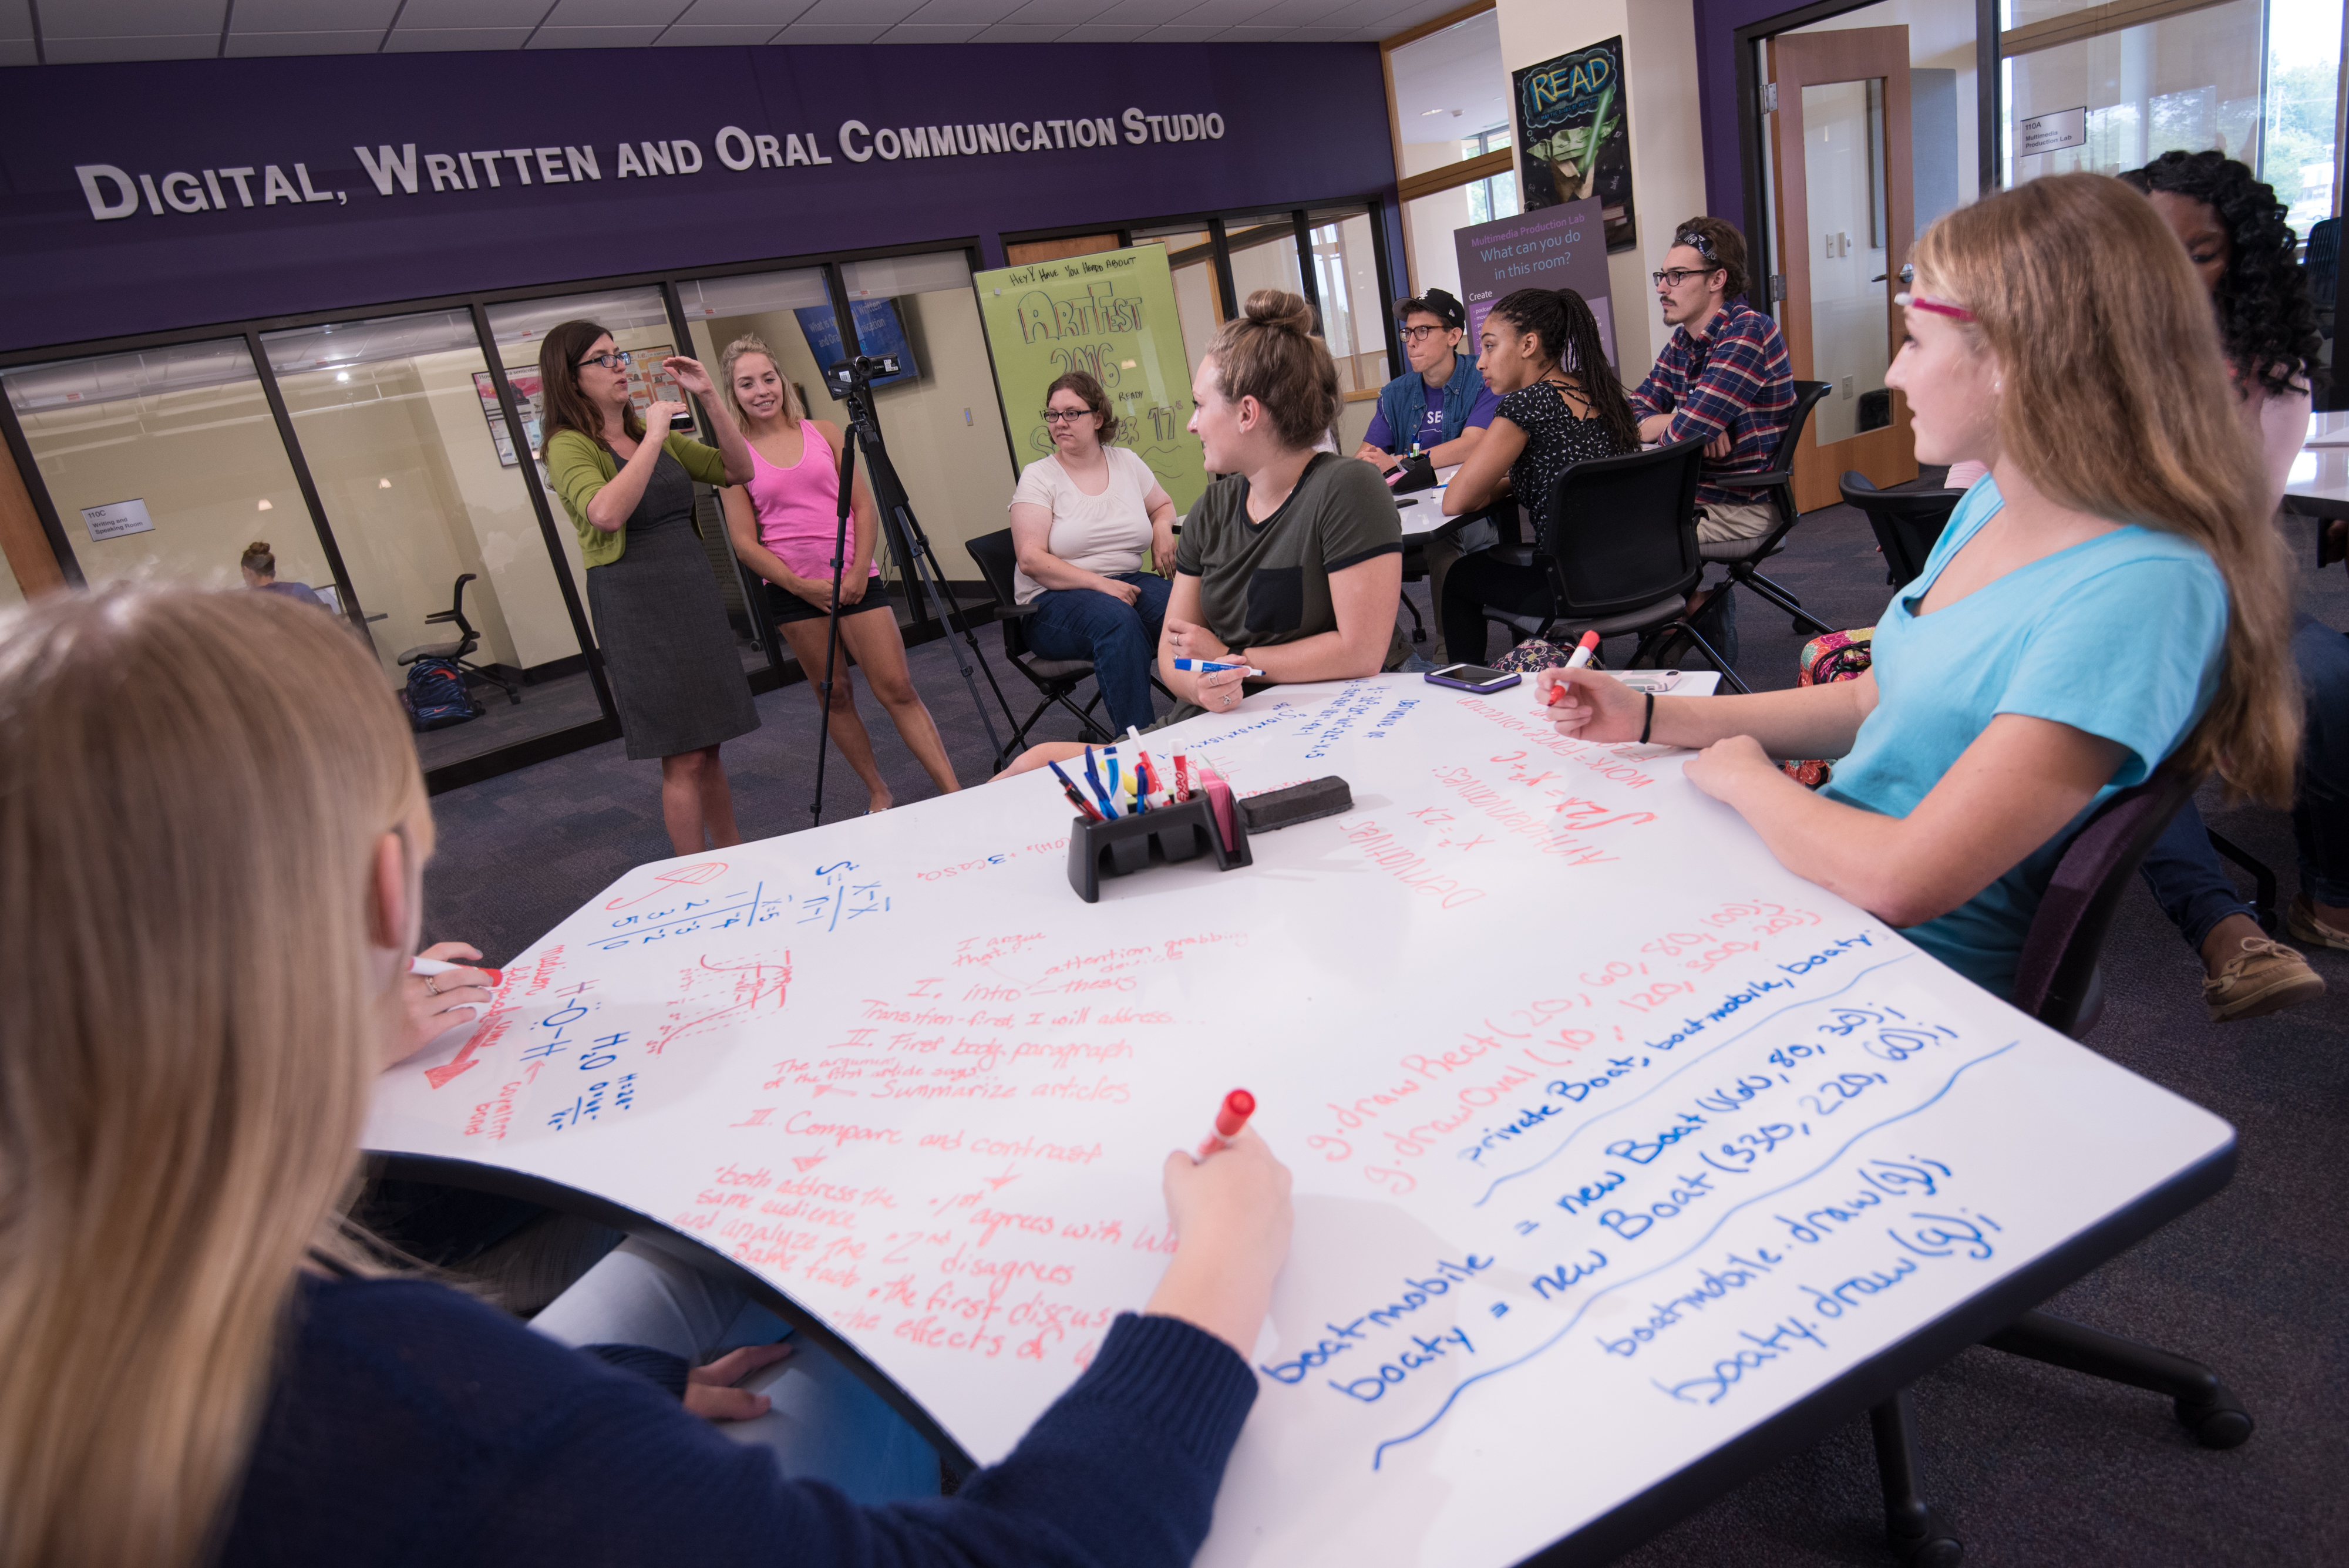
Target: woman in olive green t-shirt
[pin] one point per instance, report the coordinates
(659, 622)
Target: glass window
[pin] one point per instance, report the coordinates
(165, 463)
(2297, 153)
(12, 593)
(940, 425)
(1428, 222)
(397, 421)
(1198, 303)
(2190, 80)
(1452, 95)
(1263, 249)
(1353, 306)
(639, 322)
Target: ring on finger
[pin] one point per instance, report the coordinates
(430, 988)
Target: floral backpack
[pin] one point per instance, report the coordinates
(1837, 656)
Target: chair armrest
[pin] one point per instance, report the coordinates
(1752, 481)
(1016, 612)
(444, 616)
(1515, 555)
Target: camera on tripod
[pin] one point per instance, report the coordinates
(856, 375)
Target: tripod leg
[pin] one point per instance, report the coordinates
(1910, 1526)
(832, 628)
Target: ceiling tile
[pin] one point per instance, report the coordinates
(615, 12)
(818, 33)
(418, 40)
(308, 15)
(855, 13)
(1143, 13)
(771, 15)
(686, 36)
(1181, 33)
(133, 19)
(591, 38)
(15, 20)
(1015, 33)
(107, 51)
(1103, 33)
(1066, 13)
(351, 41)
(17, 52)
(1322, 34)
(953, 13)
(910, 33)
(1219, 14)
(470, 14)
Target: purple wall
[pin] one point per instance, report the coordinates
(1300, 122)
(1717, 22)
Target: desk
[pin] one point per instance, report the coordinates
(1422, 511)
(2318, 486)
(1609, 1193)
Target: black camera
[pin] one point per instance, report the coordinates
(851, 375)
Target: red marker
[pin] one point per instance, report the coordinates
(426, 966)
(1582, 652)
(1230, 1116)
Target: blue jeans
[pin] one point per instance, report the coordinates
(1121, 639)
(2187, 881)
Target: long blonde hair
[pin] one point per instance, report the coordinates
(2117, 402)
(751, 343)
(193, 787)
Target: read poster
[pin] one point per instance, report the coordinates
(1110, 314)
(1573, 140)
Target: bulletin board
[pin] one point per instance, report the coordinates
(1110, 314)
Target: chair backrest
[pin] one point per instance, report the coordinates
(1780, 475)
(468, 638)
(1624, 531)
(2055, 981)
(997, 560)
(2324, 263)
(1906, 522)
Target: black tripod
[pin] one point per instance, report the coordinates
(852, 379)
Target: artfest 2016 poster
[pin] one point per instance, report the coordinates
(1573, 142)
(1110, 314)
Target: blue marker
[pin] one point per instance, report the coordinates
(1092, 777)
(1113, 772)
(1209, 667)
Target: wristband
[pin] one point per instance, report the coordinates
(1649, 723)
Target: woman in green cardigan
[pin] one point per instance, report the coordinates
(658, 619)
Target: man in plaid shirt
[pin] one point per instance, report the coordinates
(1724, 376)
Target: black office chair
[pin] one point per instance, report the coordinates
(1055, 679)
(1414, 570)
(1621, 554)
(1906, 522)
(2059, 983)
(466, 640)
(1744, 556)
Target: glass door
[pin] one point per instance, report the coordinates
(1843, 175)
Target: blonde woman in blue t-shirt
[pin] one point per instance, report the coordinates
(2111, 597)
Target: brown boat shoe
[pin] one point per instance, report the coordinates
(2265, 977)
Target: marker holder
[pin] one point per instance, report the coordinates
(1128, 844)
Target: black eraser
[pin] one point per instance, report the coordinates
(1298, 803)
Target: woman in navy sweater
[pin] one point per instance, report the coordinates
(211, 836)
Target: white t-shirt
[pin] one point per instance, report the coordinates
(1109, 532)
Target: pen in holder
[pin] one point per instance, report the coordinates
(1127, 843)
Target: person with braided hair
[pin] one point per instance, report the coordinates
(2233, 229)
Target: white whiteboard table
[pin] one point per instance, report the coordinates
(1422, 513)
(1627, 1162)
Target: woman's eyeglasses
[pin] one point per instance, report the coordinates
(616, 359)
(1061, 416)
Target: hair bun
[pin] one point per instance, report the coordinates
(258, 548)
(1280, 309)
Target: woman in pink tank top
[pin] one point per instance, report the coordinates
(784, 524)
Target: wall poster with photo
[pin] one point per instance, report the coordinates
(647, 380)
(1573, 137)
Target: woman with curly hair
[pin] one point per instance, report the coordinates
(2234, 232)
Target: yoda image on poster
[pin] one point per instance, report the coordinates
(1573, 143)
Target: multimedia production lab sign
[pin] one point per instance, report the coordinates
(114, 192)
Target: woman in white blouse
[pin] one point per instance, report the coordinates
(1085, 522)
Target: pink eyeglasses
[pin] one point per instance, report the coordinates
(1939, 308)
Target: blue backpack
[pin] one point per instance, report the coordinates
(436, 696)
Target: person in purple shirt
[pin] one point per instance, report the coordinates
(208, 1367)
(259, 564)
(1440, 408)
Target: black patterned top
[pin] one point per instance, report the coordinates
(1555, 442)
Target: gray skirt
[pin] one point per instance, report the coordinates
(668, 650)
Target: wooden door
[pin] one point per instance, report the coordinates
(1839, 147)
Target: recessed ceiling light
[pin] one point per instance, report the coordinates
(1425, 112)
(264, 505)
(342, 375)
(383, 485)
